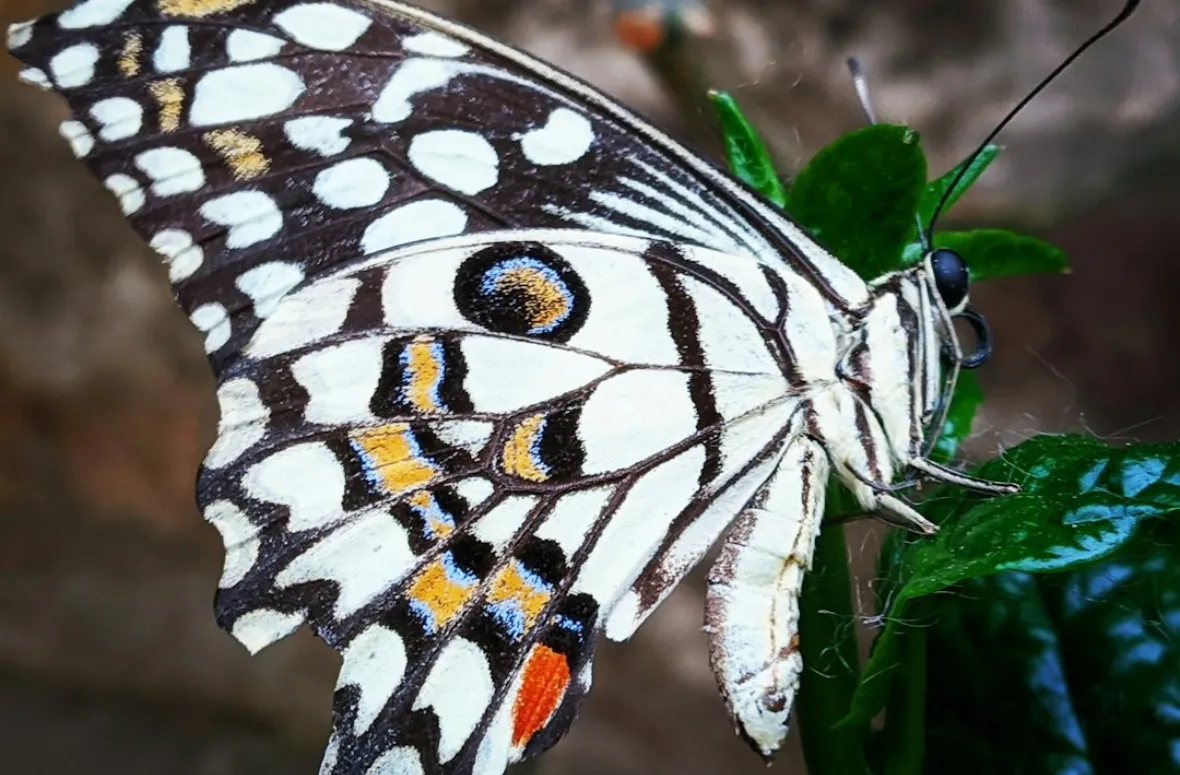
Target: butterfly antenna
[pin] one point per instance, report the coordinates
(860, 82)
(1128, 8)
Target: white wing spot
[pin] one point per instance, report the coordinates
(434, 44)
(566, 137)
(402, 760)
(459, 687)
(172, 170)
(360, 182)
(340, 381)
(258, 629)
(267, 284)
(19, 34)
(318, 134)
(421, 220)
(247, 45)
(303, 317)
(92, 13)
(323, 25)
(244, 92)
(127, 189)
(243, 421)
(183, 257)
(78, 136)
(240, 538)
(462, 160)
(74, 66)
(119, 117)
(365, 556)
(414, 76)
(173, 53)
(374, 662)
(251, 216)
(306, 478)
(214, 322)
(35, 76)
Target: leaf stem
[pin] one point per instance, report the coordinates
(827, 639)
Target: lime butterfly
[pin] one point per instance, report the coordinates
(497, 361)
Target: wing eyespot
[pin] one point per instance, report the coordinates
(522, 288)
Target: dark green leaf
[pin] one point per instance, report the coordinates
(997, 690)
(1081, 501)
(991, 253)
(966, 399)
(1119, 626)
(937, 188)
(1074, 673)
(744, 150)
(858, 196)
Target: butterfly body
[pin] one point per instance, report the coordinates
(497, 361)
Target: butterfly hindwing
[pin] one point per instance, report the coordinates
(470, 492)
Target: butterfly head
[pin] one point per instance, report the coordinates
(948, 271)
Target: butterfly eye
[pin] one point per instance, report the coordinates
(522, 288)
(950, 277)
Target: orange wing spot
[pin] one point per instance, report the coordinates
(392, 456)
(546, 677)
(545, 303)
(441, 595)
(519, 459)
(425, 373)
(198, 9)
(510, 585)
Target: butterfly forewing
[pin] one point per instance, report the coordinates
(497, 362)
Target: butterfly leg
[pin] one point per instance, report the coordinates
(941, 473)
(752, 612)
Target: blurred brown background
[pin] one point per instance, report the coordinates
(110, 661)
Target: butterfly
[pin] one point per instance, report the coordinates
(497, 360)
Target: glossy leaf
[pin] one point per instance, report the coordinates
(1082, 500)
(744, 150)
(998, 696)
(858, 196)
(1074, 673)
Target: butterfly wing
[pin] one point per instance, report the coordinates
(459, 507)
(496, 360)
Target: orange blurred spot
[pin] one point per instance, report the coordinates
(546, 677)
(641, 30)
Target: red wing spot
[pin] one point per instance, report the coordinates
(546, 677)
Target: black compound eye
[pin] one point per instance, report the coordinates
(950, 277)
(522, 288)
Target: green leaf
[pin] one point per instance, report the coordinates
(991, 253)
(1082, 500)
(745, 151)
(937, 188)
(959, 417)
(858, 196)
(997, 690)
(1074, 673)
